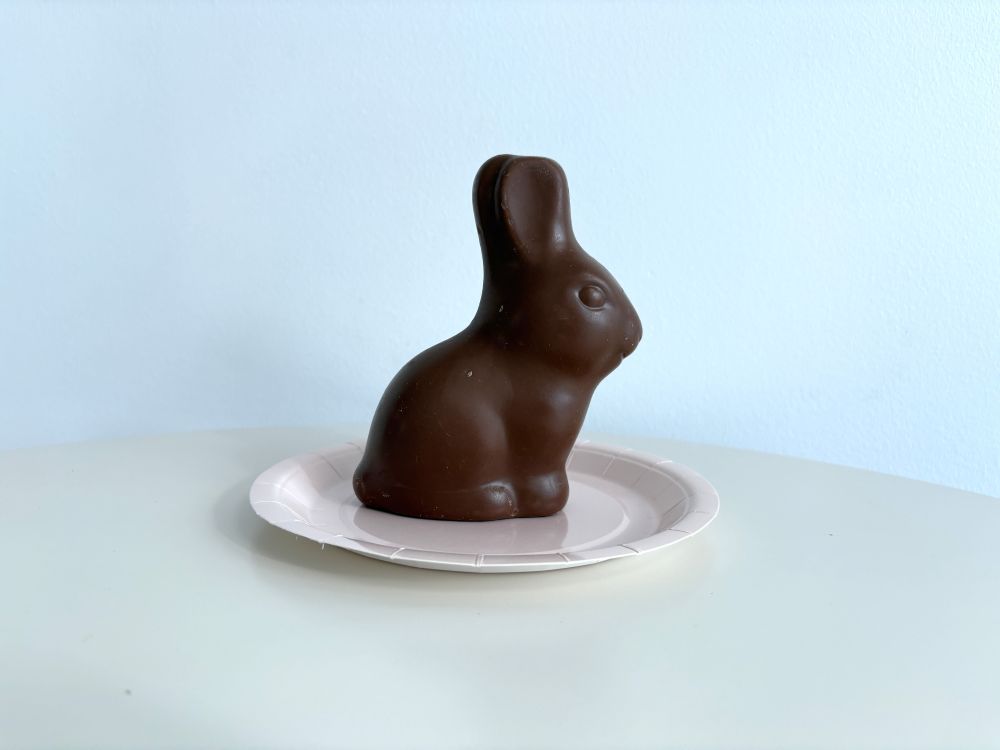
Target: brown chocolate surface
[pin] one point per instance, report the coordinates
(479, 427)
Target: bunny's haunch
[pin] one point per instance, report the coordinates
(479, 427)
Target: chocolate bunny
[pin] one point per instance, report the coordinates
(479, 427)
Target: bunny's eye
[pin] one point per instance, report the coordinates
(593, 297)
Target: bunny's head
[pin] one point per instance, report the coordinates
(541, 292)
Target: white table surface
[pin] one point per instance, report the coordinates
(145, 605)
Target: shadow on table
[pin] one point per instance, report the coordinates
(681, 567)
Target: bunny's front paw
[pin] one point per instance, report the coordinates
(542, 494)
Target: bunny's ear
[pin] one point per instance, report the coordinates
(522, 205)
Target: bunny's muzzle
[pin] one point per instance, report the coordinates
(633, 334)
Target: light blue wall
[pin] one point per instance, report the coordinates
(252, 214)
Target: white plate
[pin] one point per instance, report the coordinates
(621, 503)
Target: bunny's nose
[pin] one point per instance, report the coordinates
(632, 337)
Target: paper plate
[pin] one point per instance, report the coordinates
(621, 503)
